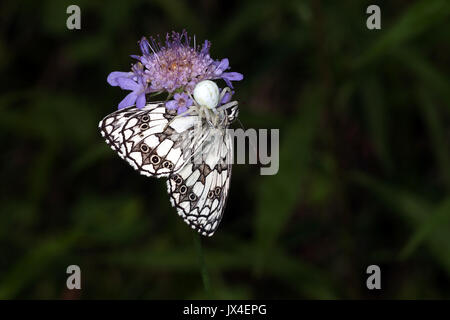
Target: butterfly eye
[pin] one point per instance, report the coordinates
(144, 126)
(211, 194)
(192, 197)
(144, 148)
(217, 191)
(183, 189)
(155, 159)
(145, 118)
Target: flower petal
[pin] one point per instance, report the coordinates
(228, 82)
(181, 110)
(145, 46)
(128, 101)
(183, 96)
(114, 76)
(189, 102)
(205, 48)
(128, 84)
(233, 76)
(226, 97)
(172, 104)
(140, 101)
(223, 65)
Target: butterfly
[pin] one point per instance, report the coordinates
(193, 151)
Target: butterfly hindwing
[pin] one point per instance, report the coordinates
(199, 190)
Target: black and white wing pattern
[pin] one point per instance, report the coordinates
(150, 139)
(199, 190)
(196, 159)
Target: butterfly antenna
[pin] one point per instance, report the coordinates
(240, 123)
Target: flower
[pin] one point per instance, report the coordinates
(227, 76)
(169, 67)
(226, 97)
(133, 81)
(181, 102)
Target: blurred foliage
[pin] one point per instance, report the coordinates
(364, 155)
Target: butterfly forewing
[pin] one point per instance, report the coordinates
(149, 139)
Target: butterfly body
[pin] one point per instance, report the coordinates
(194, 151)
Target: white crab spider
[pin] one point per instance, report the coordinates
(206, 99)
(206, 93)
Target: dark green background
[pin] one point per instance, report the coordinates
(364, 159)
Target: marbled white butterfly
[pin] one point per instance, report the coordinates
(193, 150)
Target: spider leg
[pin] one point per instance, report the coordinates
(227, 105)
(224, 91)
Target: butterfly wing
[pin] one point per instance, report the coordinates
(232, 113)
(151, 139)
(200, 189)
(157, 143)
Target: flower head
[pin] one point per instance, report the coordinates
(170, 66)
(181, 103)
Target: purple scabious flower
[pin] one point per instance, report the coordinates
(170, 66)
(133, 81)
(181, 103)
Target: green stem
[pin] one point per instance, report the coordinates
(203, 269)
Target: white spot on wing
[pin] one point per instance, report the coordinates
(185, 205)
(152, 141)
(164, 147)
(183, 123)
(173, 155)
(131, 123)
(193, 178)
(156, 116)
